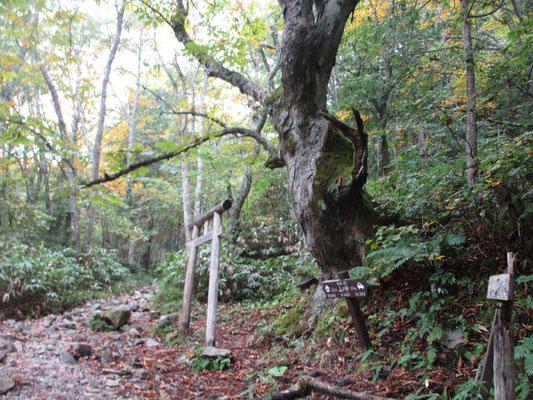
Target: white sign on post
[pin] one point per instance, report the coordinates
(500, 287)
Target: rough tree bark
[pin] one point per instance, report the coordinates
(326, 159)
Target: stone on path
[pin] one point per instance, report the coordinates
(113, 382)
(117, 316)
(6, 385)
(67, 324)
(8, 347)
(134, 333)
(167, 320)
(152, 343)
(83, 350)
(66, 358)
(211, 351)
(107, 356)
(140, 374)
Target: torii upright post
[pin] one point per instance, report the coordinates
(216, 215)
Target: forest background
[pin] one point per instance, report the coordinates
(97, 92)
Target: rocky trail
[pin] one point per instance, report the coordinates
(63, 357)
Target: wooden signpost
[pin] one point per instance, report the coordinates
(214, 214)
(350, 289)
(499, 363)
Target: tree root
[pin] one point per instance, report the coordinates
(306, 385)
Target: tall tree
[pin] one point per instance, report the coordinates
(91, 212)
(471, 113)
(326, 159)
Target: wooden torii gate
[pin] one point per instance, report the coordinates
(212, 298)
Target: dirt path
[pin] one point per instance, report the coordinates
(36, 355)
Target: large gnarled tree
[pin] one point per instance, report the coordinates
(326, 159)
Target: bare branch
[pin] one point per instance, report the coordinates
(155, 10)
(193, 113)
(166, 156)
(486, 14)
(254, 134)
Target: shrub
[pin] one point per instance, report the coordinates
(46, 277)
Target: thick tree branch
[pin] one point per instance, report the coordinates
(212, 66)
(309, 47)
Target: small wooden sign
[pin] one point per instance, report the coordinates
(500, 287)
(345, 288)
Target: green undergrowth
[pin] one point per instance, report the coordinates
(241, 278)
(36, 279)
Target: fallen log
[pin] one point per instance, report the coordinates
(306, 385)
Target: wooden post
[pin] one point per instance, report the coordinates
(185, 317)
(487, 373)
(357, 316)
(504, 375)
(212, 296)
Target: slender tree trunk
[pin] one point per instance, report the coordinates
(238, 202)
(91, 213)
(132, 124)
(199, 162)
(73, 216)
(43, 162)
(423, 138)
(471, 114)
(383, 158)
(131, 139)
(186, 199)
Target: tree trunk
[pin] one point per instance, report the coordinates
(423, 138)
(199, 163)
(73, 216)
(325, 158)
(383, 158)
(91, 213)
(132, 124)
(43, 162)
(471, 115)
(236, 208)
(186, 198)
